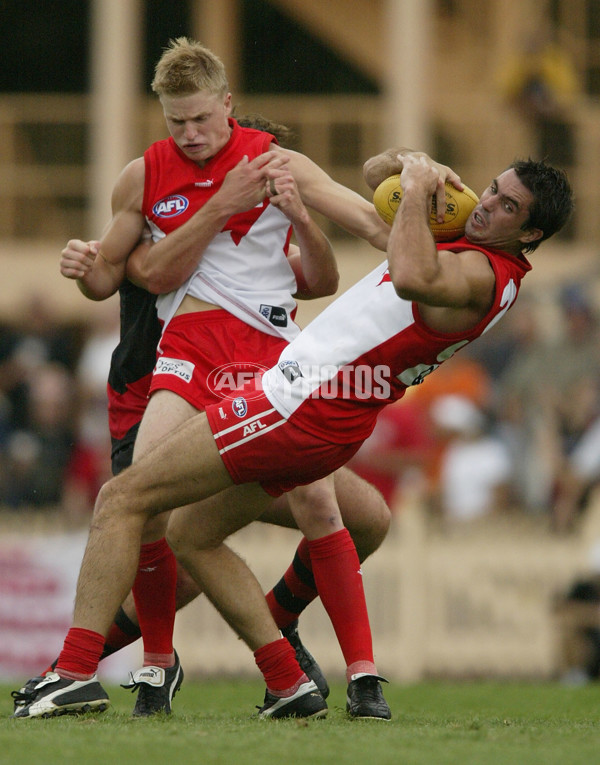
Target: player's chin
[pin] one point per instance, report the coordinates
(195, 151)
(473, 231)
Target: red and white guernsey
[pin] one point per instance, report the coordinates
(244, 269)
(367, 347)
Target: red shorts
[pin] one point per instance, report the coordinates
(206, 355)
(257, 444)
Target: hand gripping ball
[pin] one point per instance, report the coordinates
(459, 205)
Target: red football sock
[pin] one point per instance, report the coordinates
(338, 577)
(154, 595)
(80, 655)
(277, 662)
(122, 632)
(295, 590)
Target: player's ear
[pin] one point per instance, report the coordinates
(531, 235)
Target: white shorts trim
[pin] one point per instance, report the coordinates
(251, 428)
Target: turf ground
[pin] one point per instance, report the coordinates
(435, 723)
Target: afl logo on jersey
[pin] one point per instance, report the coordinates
(169, 207)
(239, 406)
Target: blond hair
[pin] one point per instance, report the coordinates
(187, 66)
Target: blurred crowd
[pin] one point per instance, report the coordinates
(511, 424)
(54, 440)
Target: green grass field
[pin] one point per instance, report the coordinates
(434, 723)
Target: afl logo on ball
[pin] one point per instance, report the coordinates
(239, 406)
(169, 207)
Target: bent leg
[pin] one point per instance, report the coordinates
(338, 578)
(155, 585)
(363, 509)
(196, 536)
(337, 572)
(125, 628)
(196, 533)
(183, 468)
(367, 518)
(364, 513)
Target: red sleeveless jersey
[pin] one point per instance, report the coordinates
(244, 268)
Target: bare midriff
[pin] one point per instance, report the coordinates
(191, 304)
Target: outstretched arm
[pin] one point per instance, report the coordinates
(340, 204)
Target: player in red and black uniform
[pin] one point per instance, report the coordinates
(131, 370)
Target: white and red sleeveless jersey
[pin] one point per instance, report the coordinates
(367, 347)
(244, 269)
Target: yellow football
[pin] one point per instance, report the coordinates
(459, 205)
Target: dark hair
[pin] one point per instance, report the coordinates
(284, 135)
(552, 197)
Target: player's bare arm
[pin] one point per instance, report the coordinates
(170, 261)
(454, 290)
(340, 204)
(122, 234)
(95, 278)
(391, 162)
(99, 267)
(312, 261)
(77, 258)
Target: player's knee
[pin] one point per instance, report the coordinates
(381, 515)
(374, 523)
(186, 540)
(107, 506)
(179, 542)
(116, 502)
(315, 508)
